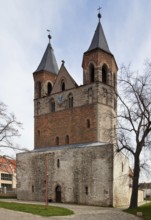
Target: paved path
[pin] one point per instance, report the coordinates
(81, 213)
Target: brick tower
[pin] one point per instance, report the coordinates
(100, 71)
(44, 79)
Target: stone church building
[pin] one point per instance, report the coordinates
(74, 158)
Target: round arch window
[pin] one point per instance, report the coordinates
(91, 73)
(49, 88)
(63, 87)
(104, 74)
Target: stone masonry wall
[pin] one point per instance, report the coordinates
(121, 181)
(84, 175)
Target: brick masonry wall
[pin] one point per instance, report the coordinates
(97, 109)
(44, 77)
(80, 167)
(71, 122)
(98, 58)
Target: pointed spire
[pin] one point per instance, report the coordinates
(99, 39)
(48, 61)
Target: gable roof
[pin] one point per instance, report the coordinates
(48, 61)
(69, 81)
(99, 40)
(7, 165)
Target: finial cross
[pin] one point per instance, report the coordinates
(99, 9)
(99, 14)
(49, 36)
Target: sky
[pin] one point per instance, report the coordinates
(23, 40)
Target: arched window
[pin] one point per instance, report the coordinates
(63, 85)
(57, 141)
(86, 190)
(49, 88)
(38, 85)
(70, 100)
(67, 139)
(88, 123)
(104, 74)
(92, 73)
(58, 163)
(52, 105)
(90, 95)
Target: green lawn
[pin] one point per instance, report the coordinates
(36, 209)
(145, 209)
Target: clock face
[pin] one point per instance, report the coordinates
(60, 99)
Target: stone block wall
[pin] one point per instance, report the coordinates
(84, 174)
(121, 180)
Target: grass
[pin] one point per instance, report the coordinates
(145, 209)
(36, 209)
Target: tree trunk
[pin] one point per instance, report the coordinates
(134, 195)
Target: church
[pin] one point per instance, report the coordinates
(74, 158)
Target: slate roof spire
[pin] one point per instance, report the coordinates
(99, 40)
(48, 61)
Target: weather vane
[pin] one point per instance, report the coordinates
(63, 62)
(49, 36)
(99, 14)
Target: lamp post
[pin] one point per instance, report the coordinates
(46, 182)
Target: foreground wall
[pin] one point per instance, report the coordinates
(121, 180)
(79, 174)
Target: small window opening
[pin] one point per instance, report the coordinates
(104, 74)
(33, 189)
(67, 139)
(57, 141)
(52, 105)
(122, 166)
(62, 85)
(92, 73)
(70, 101)
(86, 190)
(90, 95)
(49, 88)
(38, 133)
(88, 123)
(58, 163)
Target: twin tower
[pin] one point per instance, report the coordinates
(66, 113)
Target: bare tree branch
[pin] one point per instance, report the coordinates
(134, 118)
